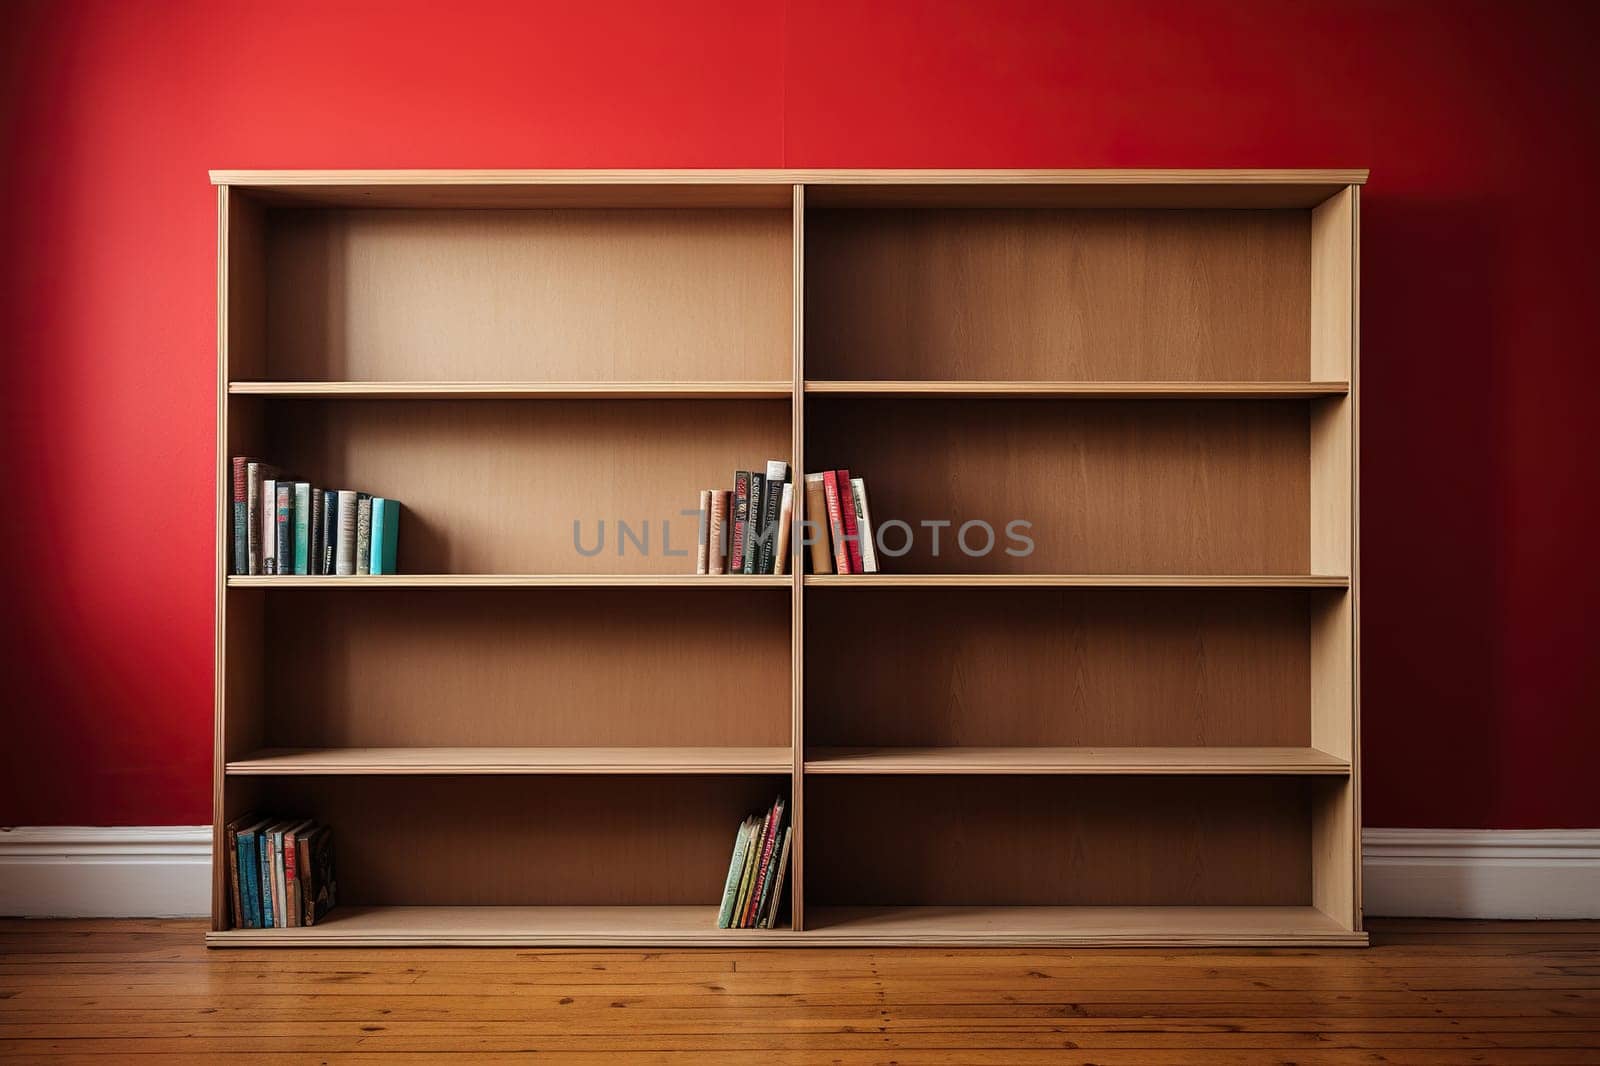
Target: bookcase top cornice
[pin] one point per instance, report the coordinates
(773, 189)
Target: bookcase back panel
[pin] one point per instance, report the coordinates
(497, 486)
(538, 295)
(1037, 841)
(1083, 295)
(1112, 487)
(1069, 667)
(526, 668)
(529, 841)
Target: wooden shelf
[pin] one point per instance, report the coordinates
(1154, 581)
(1077, 761)
(473, 581)
(1085, 926)
(829, 926)
(1110, 390)
(277, 762)
(514, 390)
(506, 926)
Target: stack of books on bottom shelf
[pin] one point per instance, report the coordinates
(280, 872)
(755, 874)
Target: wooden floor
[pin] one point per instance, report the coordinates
(1426, 992)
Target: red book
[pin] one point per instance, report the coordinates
(740, 518)
(764, 856)
(852, 533)
(830, 492)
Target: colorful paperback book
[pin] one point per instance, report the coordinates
(752, 526)
(363, 533)
(314, 560)
(264, 867)
(869, 550)
(814, 526)
(269, 526)
(847, 512)
(780, 561)
(830, 490)
(285, 527)
(385, 535)
(330, 529)
(302, 527)
(241, 515)
(250, 873)
(344, 560)
(730, 889)
(772, 500)
(252, 503)
(740, 520)
(702, 557)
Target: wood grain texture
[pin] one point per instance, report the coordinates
(1037, 760)
(529, 295)
(1059, 841)
(1120, 581)
(1068, 668)
(797, 569)
(495, 841)
(346, 762)
(1109, 486)
(495, 487)
(1111, 390)
(1426, 992)
(1058, 295)
(290, 582)
(529, 390)
(579, 667)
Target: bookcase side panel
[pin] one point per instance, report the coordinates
(797, 566)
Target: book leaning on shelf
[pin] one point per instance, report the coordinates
(754, 886)
(280, 872)
(285, 526)
(746, 529)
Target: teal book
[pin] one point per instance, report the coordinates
(730, 891)
(302, 527)
(385, 534)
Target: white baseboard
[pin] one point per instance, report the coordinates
(1481, 873)
(165, 871)
(113, 872)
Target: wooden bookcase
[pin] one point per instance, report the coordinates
(1144, 732)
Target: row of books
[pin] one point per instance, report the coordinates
(840, 534)
(280, 872)
(755, 873)
(745, 530)
(284, 526)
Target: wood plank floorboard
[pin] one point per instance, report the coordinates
(1425, 992)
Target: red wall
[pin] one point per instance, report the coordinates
(1481, 672)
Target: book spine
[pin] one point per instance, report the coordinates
(302, 527)
(747, 874)
(314, 563)
(772, 499)
(770, 918)
(385, 534)
(363, 533)
(869, 550)
(284, 533)
(743, 918)
(741, 519)
(235, 902)
(269, 525)
(841, 552)
(330, 529)
(717, 532)
(344, 563)
(816, 524)
(730, 887)
(752, 526)
(265, 870)
(280, 917)
(780, 559)
(241, 515)
(247, 870)
(252, 494)
(290, 911)
(323, 882)
(764, 866)
(303, 864)
(702, 525)
(847, 514)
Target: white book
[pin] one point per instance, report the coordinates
(869, 551)
(269, 526)
(344, 556)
